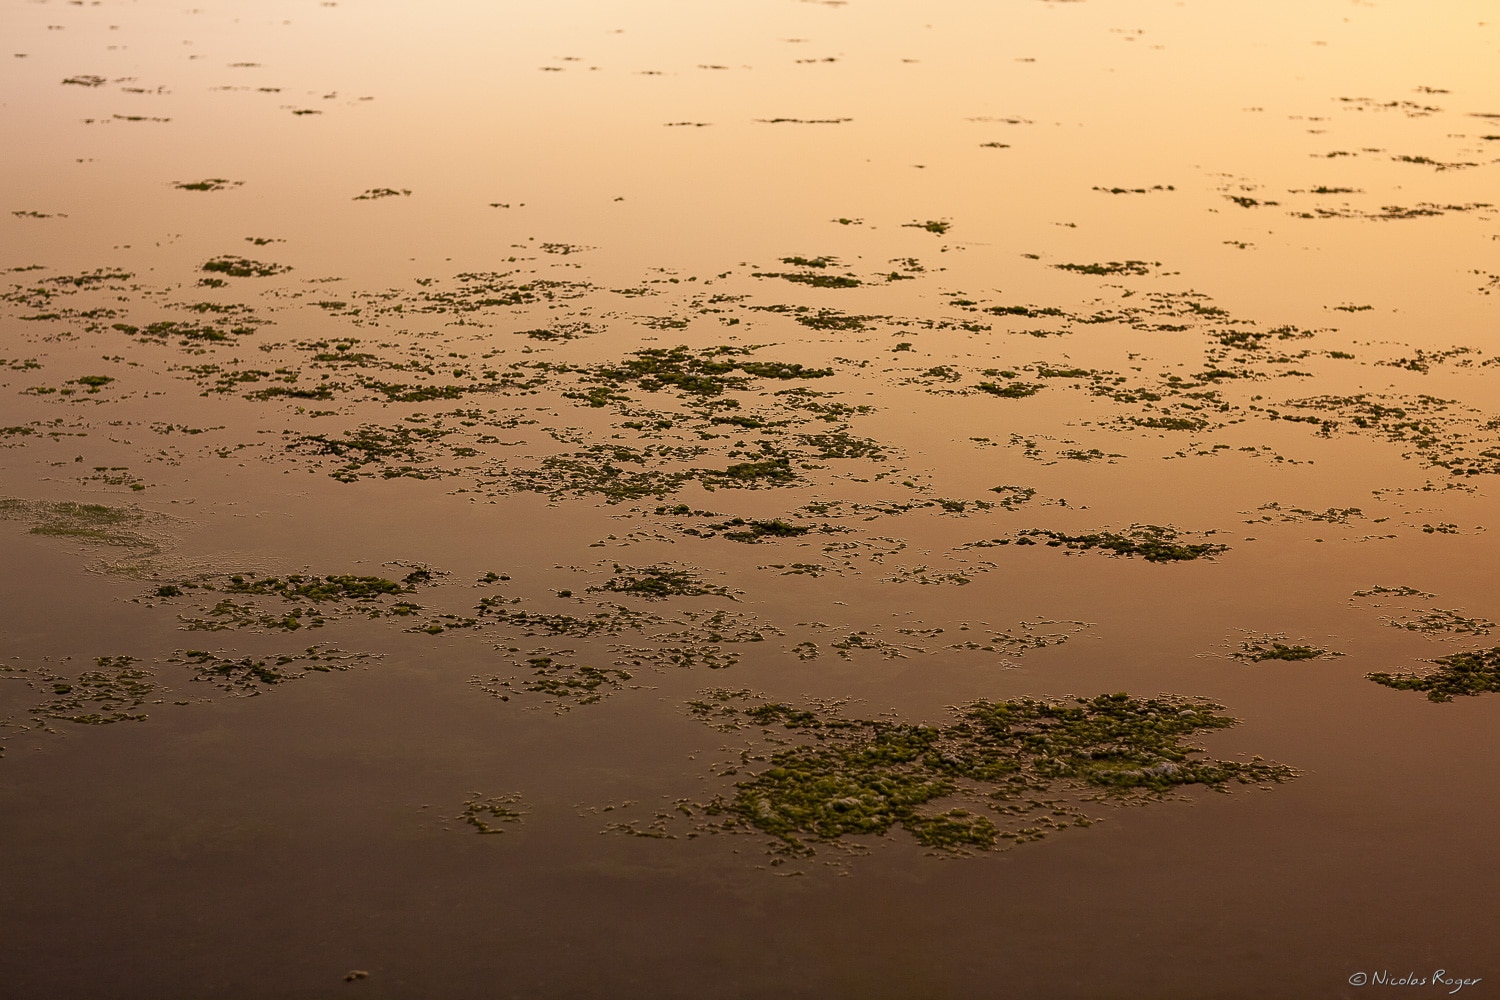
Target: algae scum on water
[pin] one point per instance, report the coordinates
(998, 771)
(776, 438)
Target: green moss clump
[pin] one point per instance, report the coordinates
(1469, 673)
(1149, 541)
(858, 776)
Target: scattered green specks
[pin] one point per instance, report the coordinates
(111, 693)
(1434, 620)
(490, 815)
(938, 226)
(1012, 497)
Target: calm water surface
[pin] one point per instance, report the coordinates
(419, 421)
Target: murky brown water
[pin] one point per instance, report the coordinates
(588, 361)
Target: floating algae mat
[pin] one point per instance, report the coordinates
(818, 499)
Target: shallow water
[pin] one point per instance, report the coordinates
(475, 388)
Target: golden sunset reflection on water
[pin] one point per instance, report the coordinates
(814, 499)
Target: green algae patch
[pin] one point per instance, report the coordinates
(616, 620)
(659, 582)
(599, 470)
(703, 373)
(242, 267)
(1012, 497)
(840, 444)
(967, 784)
(1257, 651)
(1134, 268)
(1402, 591)
(342, 587)
(207, 184)
(492, 814)
(936, 226)
(307, 601)
(816, 280)
(1435, 620)
(401, 451)
(1151, 542)
(249, 675)
(774, 471)
(1460, 674)
(558, 680)
(740, 530)
(1010, 390)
